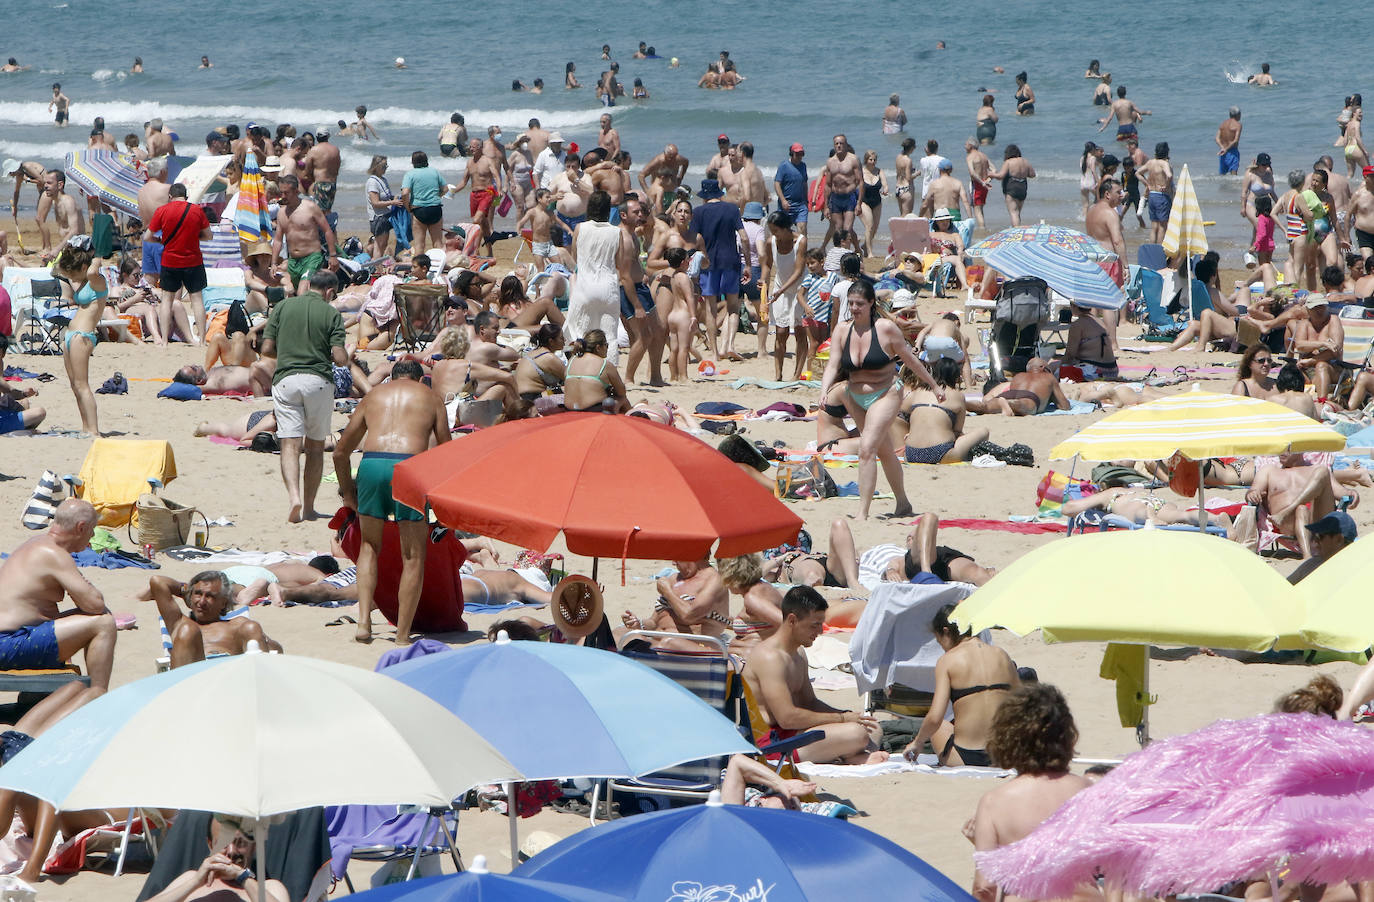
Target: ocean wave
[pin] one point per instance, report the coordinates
(107, 74)
(123, 112)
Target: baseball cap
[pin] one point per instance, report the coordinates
(11, 166)
(945, 165)
(1335, 523)
(754, 210)
(1262, 159)
(217, 135)
(573, 148)
(250, 126)
(1315, 300)
(720, 138)
(322, 130)
(555, 138)
(796, 148)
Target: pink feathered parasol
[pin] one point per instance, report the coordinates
(1235, 800)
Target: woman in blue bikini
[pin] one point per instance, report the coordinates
(79, 273)
(868, 348)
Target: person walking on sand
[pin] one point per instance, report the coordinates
(394, 421)
(304, 334)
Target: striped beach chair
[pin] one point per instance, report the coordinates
(164, 663)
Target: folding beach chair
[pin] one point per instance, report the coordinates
(910, 234)
(1200, 299)
(1151, 256)
(42, 321)
(1355, 352)
(381, 833)
(1159, 325)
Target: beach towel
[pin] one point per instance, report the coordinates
(925, 764)
(473, 607)
(893, 642)
(400, 227)
(18, 373)
(112, 560)
(1126, 665)
(1050, 493)
(999, 526)
(748, 381)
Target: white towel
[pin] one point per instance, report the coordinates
(925, 764)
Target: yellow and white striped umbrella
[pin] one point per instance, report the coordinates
(1200, 425)
(1184, 231)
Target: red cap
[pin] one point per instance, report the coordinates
(572, 148)
(722, 138)
(797, 148)
(1368, 171)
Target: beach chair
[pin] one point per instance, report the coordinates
(910, 234)
(380, 833)
(1151, 256)
(42, 321)
(1200, 299)
(223, 249)
(1132, 290)
(164, 663)
(1159, 325)
(1355, 352)
(1101, 521)
(117, 471)
(223, 286)
(113, 840)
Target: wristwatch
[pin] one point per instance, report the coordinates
(244, 877)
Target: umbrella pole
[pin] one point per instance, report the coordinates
(1201, 498)
(1143, 730)
(513, 816)
(595, 561)
(260, 842)
(1188, 282)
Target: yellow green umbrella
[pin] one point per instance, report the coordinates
(1339, 613)
(1199, 425)
(1184, 233)
(1139, 587)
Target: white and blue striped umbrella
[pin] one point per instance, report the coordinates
(1067, 260)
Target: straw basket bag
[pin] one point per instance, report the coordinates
(162, 523)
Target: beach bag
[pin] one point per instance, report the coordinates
(804, 479)
(1023, 302)
(504, 207)
(43, 503)
(163, 523)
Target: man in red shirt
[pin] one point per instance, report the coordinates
(183, 227)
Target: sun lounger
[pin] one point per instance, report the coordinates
(1101, 521)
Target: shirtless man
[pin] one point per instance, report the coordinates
(843, 177)
(218, 380)
(642, 321)
(153, 194)
(494, 148)
(538, 139)
(484, 350)
(1024, 394)
(1318, 339)
(1283, 494)
(160, 143)
(731, 177)
(483, 177)
(1360, 216)
(34, 634)
(777, 674)
(394, 421)
(608, 138)
(1338, 186)
(1126, 113)
(300, 222)
(1140, 505)
(755, 188)
(666, 171)
(978, 168)
(102, 138)
(1158, 178)
(721, 157)
(1262, 78)
(227, 872)
(605, 175)
(322, 170)
(70, 220)
(1228, 143)
(32, 173)
(1103, 224)
(906, 199)
(946, 193)
(571, 190)
(201, 631)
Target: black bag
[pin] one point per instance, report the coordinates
(1023, 302)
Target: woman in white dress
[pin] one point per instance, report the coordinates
(595, 299)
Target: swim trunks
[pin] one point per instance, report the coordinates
(646, 301)
(374, 488)
(61, 117)
(542, 248)
(11, 420)
(323, 194)
(844, 203)
(717, 282)
(1113, 268)
(1364, 239)
(30, 648)
(1160, 205)
(427, 215)
(1228, 163)
(980, 194)
(298, 268)
(480, 201)
(1125, 131)
(152, 258)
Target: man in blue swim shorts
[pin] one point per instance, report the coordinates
(15, 411)
(1158, 177)
(34, 633)
(153, 194)
(394, 421)
(842, 180)
(1228, 143)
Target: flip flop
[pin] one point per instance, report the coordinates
(342, 620)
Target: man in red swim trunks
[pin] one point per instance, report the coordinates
(978, 168)
(483, 176)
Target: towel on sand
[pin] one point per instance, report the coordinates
(925, 764)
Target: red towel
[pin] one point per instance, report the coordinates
(1002, 526)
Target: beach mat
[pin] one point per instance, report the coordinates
(999, 526)
(749, 381)
(925, 764)
(473, 607)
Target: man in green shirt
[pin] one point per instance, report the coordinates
(306, 337)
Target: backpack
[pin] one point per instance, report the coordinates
(1023, 302)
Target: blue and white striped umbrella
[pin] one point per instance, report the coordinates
(1066, 259)
(113, 178)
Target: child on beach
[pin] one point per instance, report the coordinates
(1265, 227)
(817, 284)
(61, 103)
(540, 223)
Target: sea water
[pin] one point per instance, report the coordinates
(812, 70)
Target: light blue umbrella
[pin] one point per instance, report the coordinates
(1066, 259)
(719, 852)
(568, 711)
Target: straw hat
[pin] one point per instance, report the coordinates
(577, 606)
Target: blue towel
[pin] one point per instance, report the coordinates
(472, 607)
(400, 226)
(108, 560)
(18, 371)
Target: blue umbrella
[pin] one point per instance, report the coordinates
(112, 178)
(569, 711)
(1067, 260)
(716, 851)
(477, 884)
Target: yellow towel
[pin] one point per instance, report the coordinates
(1126, 665)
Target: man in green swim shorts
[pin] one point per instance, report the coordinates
(394, 421)
(300, 223)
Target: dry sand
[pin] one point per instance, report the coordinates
(921, 813)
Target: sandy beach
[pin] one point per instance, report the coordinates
(921, 813)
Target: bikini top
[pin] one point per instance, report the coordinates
(953, 417)
(956, 694)
(84, 296)
(549, 379)
(874, 359)
(599, 377)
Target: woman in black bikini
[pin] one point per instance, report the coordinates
(972, 676)
(1014, 173)
(869, 346)
(592, 382)
(539, 370)
(935, 429)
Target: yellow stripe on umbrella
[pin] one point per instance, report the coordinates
(1185, 231)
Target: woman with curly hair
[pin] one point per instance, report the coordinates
(1322, 696)
(1034, 734)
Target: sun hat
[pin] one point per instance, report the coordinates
(271, 164)
(901, 298)
(710, 189)
(555, 138)
(1315, 300)
(754, 210)
(12, 166)
(577, 606)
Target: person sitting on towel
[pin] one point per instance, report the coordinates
(200, 632)
(974, 678)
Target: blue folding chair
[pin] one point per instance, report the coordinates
(1151, 256)
(1159, 325)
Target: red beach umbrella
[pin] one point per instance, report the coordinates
(615, 486)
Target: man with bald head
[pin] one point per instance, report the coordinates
(34, 581)
(666, 172)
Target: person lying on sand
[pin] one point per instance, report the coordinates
(777, 674)
(1140, 505)
(1024, 394)
(200, 632)
(255, 380)
(1111, 394)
